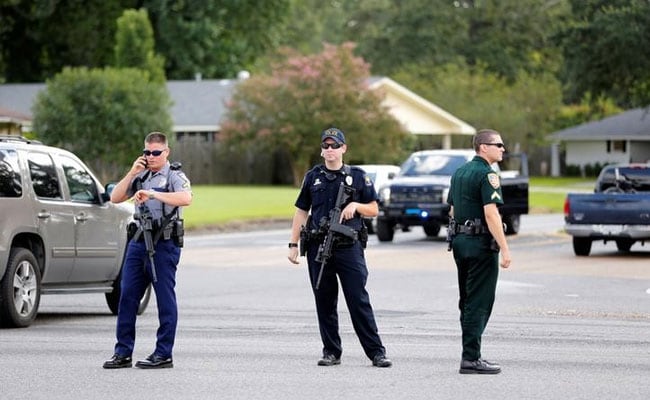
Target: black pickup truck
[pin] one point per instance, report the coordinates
(417, 196)
(618, 210)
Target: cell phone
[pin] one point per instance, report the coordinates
(145, 163)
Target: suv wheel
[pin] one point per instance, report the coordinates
(113, 298)
(385, 230)
(20, 289)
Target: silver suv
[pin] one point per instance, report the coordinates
(59, 233)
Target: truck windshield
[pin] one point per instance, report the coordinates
(434, 164)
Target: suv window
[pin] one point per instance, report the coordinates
(81, 184)
(43, 174)
(10, 183)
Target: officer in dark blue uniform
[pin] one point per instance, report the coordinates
(474, 194)
(318, 194)
(163, 189)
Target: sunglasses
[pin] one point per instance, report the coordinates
(330, 145)
(154, 153)
(499, 145)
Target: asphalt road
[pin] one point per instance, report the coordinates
(563, 327)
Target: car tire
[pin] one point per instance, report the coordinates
(113, 298)
(385, 231)
(20, 289)
(581, 246)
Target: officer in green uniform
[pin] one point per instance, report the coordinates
(478, 237)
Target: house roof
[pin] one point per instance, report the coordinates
(417, 114)
(199, 105)
(629, 125)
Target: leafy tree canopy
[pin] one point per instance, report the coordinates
(84, 110)
(288, 108)
(522, 111)
(134, 45)
(606, 51)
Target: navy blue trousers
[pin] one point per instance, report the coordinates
(136, 276)
(350, 266)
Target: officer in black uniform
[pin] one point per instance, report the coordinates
(474, 194)
(318, 194)
(160, 189)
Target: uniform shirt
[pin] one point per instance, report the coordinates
(320, 188)
(474, 185)
(165, 180)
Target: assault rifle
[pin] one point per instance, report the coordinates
(146, 227)
(333, 229)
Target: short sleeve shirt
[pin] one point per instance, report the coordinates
(320, 188)
(473, 186)
(165, 180)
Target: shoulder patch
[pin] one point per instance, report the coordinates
(493, 178)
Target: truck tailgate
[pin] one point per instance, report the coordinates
(608, 208)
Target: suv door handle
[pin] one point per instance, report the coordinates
(81, 217)
(44, 214)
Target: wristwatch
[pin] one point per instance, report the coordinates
(293, 245)
(151, 194)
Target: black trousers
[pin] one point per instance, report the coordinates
(349, 265)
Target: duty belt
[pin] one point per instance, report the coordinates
(469, 228)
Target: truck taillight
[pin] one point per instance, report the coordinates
(567, 207)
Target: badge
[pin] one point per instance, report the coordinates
(317, 182)
(493, 178)
(368, 180)
(348, 180)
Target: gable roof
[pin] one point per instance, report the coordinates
(629, 125)
(200, 105)
(417, 114)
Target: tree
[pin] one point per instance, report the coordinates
(523, 111)
(101, 114)
(606, 51)
(303, 95)
(214, 38)
(38, 38)
(134, 45)
(505, 36)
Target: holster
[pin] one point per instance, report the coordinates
(131, 230)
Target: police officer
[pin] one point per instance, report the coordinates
(163, 189)
(474, 194)
(318, 193)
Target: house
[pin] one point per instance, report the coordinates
(199, 106)
(621, 138)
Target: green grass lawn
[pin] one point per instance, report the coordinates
(219, 205)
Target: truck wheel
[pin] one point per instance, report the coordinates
(20, 289)
(581, 246)
(512, 224)
(431, 229)
(624, 244)
(385, 231)
(113, 298)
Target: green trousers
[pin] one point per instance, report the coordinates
(478, 270)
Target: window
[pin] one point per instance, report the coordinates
(80, 182)
(10, 182)
(44, 177)
(616, 146)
